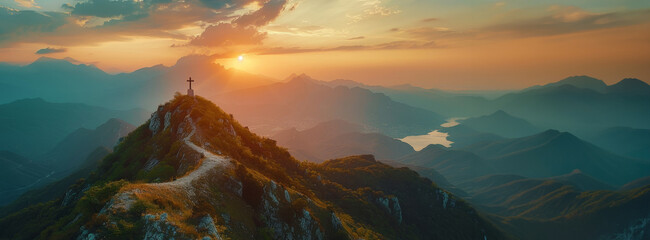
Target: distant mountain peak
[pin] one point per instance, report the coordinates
(576, 171)
(550, 132)
(500, 113)
(66, 61)
(582, 81)
(30, 100)
(434, 147)
(630, 86)
(115, 123)
(631, 81)
(300, 78)
(552, 135)
(501, 123)
(48, 59)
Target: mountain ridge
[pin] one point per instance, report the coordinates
(192, 171)
(553, 153)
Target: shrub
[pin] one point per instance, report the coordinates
(96, 197)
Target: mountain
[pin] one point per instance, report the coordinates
(457, 166)
(53, 79)
(582, 181)
(323, 130)
(578, 109)
(66, 80)
(447, 103)
(432, 175)
(65, 158)
(641, 182)
(18, 174)
(548, 209)
(153, 83)
(71, 152)
(336, 139)
(302, 103)
(31, 127)
(58, 188)
(630, 142)
(553, 153)
(193, 172)
(502, 124)
(577, 81)
(578, 104)
(481, 184)
(461, 136)
(630, 87)
(523, 197)
(583, 215)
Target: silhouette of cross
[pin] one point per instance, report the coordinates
(190, 81)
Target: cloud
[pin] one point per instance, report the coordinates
(93, 21)
(267, 13)
(427, 20)
(382, 46)
(569, 19)
(49, 50)
(226, 34)
(107, 8)
(296, 30)
(17, 23)
(220, 4)
(432, 32)
(372, 8)
(85, 23)
(243, 30)
(27, 3)
(357, 38)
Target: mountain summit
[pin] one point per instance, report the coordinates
(193, 172)
(502, 124)
(577, 81)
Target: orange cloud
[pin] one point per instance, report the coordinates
(225, 34)
(569, 19)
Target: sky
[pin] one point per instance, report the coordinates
(446, 44)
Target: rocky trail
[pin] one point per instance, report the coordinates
(209, 161)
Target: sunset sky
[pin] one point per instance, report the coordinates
(448, 44)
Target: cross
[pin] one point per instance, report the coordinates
(190, 81)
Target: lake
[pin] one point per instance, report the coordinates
(419, 142)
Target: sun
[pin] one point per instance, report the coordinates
(240, 58)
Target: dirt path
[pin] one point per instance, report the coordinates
(209, 162)
(124, 200)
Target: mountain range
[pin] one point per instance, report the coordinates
(455, 165)
(553, 153)
(502, 124)
(547, 208)
(572, 107)
(67, 80)
(18, 174)
(68, 156)
(46, 191)
(578, 104)
(192, 171)
(336, 139)
(302, 102)
(32, 127)
(625, 141)
(71, 152)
